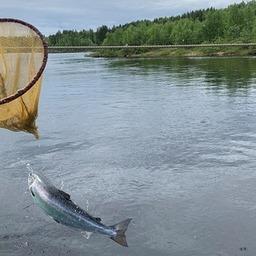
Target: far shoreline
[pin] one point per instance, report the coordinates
(167, 53)
(173, 53)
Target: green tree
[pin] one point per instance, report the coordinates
(100, 34)
(213, 26)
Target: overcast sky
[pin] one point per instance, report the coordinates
(49, 16)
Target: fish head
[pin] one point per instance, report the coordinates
(33, 181)
(33, 178)
(37, 178)
(36, 183)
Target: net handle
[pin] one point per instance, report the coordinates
(40, 71)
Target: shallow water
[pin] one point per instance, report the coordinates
(170, 143)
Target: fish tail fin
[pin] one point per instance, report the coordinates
(120, 229)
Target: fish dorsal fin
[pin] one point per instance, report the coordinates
(86, 234)
(64, 194)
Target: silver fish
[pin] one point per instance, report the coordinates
(58, 205)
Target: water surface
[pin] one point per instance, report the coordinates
(170, 143)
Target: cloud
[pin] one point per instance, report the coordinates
(52, 15)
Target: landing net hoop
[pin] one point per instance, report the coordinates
(23, 57)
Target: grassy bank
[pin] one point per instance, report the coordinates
(180, 52)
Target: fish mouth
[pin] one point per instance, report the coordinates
(31, 179)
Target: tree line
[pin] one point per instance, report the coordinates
(236, 23)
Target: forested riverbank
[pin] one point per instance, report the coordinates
(234, 24)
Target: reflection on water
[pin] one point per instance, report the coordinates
(170, 143)
(232, 73)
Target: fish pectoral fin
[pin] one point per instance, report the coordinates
(56, 220)
(64, 194)
(98, 219)
(86, 234)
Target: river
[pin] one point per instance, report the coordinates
(170, 143)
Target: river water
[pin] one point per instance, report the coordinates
(169, 143)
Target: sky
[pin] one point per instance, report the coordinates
(49, 16)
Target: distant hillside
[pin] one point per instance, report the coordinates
(236, 23)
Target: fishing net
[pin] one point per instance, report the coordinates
(23, 56)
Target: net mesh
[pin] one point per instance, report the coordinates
(23, 56)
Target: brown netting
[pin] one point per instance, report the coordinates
(23, 56)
